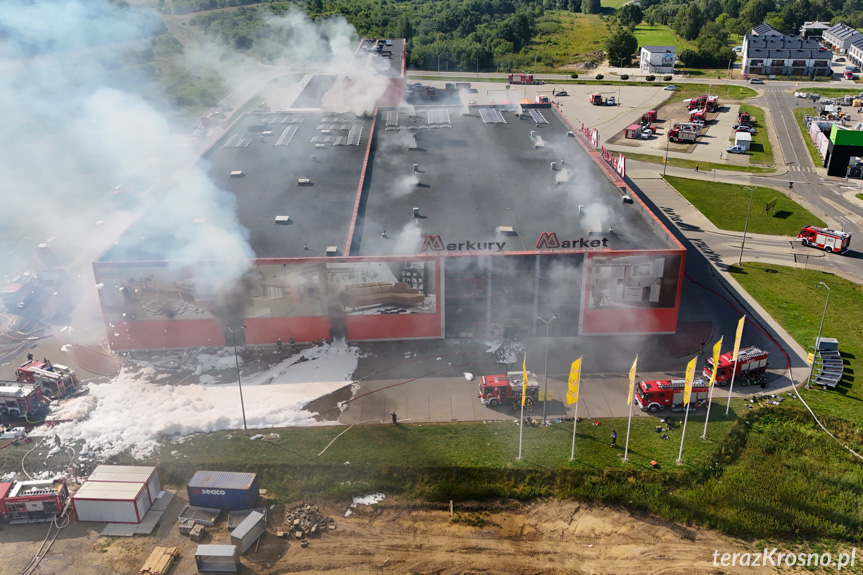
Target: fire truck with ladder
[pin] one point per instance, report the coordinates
(750, 369)
(496, 390)
(55, 380)
(655, 395)
(828, 240)
(21, 399)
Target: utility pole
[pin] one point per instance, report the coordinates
(746, 225)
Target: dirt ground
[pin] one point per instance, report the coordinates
(403, 537)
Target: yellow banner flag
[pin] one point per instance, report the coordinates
(690, 375)
(738, 338)
(631, 381)
(524, 385)
(716, 354)
(574, 377)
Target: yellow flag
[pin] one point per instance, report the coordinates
(738, 338)
(524, 385)
(574, 377)
(632, 381)
(716, 353)
(690, 375)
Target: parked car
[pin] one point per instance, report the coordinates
(561, 93)
(756, 81)
(736, 150)
(771, 77)
(671, 88)
(610, 101)
(738, 49)
(744, 128)
(839, 60)
(645, 134)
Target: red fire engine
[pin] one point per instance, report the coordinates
(655, 395)
(520, 78)
(750, 368)
(495, 390)
(55, 380)
(828, 240)
(21, 400)
(29, 501)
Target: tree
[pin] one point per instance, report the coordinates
(620, 45)
(591, 6)
(754, 11)
(403, 27)
(630, 15)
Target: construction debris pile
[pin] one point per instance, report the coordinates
(307, 521)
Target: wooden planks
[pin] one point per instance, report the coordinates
(160, 561)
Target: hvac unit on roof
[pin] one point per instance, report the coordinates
(282, 220)
(320, 146)
(237, 174)
(332, 250)
(505, 230)
(304, 182)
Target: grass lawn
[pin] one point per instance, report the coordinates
(724, 91)
(563, 37)
(790, 295)
(714, 198)
(703, 166)
(661, 36)
(613, 4)
(799, 113)
(831, 92)
(760, 151)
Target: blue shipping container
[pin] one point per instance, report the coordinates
(223, 490)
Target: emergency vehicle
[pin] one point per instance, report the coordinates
(835, 241)
(22, 400)
(55, 380)
(496, 390)
(655, 395)
(520, 79)
(750, 369)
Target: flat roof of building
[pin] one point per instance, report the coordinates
(133, 473)
(109, 490)
(389, 52)
(489, 175)
(487, 178)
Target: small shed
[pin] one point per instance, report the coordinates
(633, 131)
(743, 139)
(222, 558)
(247, 532)
(130, 474)
(112, 501)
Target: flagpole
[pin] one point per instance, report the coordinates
(682, 435)
(574, 423)
(717, 349)
(631, 399)
(572, 397)
(730, 387)
(628, 424)
(520, 427)
(709, 400)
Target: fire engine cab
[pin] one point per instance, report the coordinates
(835, 241)
(495, 390)
(655, 395)
(750, 369)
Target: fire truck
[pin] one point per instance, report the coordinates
(520, 79)
(828, 240)
(698, 115)
(496, 390)
(750, 369)
(709, 103)
(55, 380)
(682, 135)
(21, 400)
(596, 99)
(744, 118)
(655, 395)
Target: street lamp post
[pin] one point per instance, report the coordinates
(438, 62)
(545, 399)
(239, 383)
(818, 339)
(746, 225)
(665, 166)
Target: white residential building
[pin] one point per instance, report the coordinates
(781, 55)
(658, 59)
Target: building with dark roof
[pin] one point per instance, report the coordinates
(437, 221)
(769, 54)
(855, 53)
(814, 30)
(765, 29)
(841, 36)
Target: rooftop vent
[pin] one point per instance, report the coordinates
(267, 133)
(332, 250)
(416, 212)
(505, 230)
(237, 174)
(304, 182)
(283, 220)
(320, 146)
